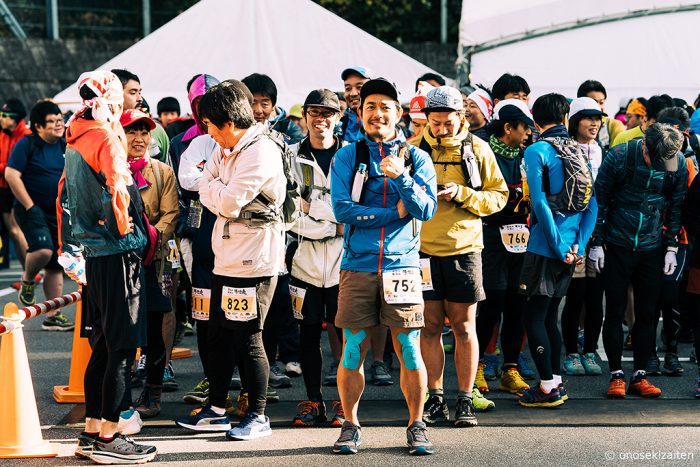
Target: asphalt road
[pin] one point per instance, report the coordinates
(587, 430)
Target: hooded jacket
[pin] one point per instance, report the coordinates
(376, 239)
(7, 143)
(317, 259)
(291, 131)
(94, 215)
(456, 228)
(351, 126)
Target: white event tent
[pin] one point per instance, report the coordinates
(299, 44)
(634, 47)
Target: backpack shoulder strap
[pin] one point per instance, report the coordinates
(630, 160)
(425, 146)
(361, 155)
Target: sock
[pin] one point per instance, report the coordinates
(91, 435)
(218, 410)
(548, 385)
(557, 380)
(617, 374)
(435, 392)
(464, 395)
(639, 374)
(106, 439)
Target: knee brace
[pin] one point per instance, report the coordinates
(351, 349)
(410, 349)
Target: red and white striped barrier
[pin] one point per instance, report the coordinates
(8, 325)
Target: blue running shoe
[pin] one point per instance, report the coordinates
(573, 366)
(491, 370)
(524, 367)
(535, 397)
(349, 440)
(205, 420)
(417, 440)
(253, 426)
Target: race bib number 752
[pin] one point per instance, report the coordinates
(402, 286)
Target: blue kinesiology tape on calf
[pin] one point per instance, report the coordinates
(351, 350)
(410, 348)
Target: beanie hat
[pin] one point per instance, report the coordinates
(483, 101)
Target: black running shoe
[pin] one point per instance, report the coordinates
(653, 366)
(672, 366)
(464, 415)
(435, 410)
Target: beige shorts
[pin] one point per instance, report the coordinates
(361, 304)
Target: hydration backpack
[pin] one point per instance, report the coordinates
(468, 161)
(578, 180)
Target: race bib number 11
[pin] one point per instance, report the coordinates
(239, 304)
(201, 299)
(402, 286)
(297, 294)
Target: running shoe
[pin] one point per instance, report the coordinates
(85, 444)
(38, 279)
(331, 378)
(236, 380)
(417, 440)
(198, 394)
(512, 382)
(205, 420)
(310, 413)
(590, 366)
(277, 377)
(339, 416)
(653, 366)
(349, 440)
(535, 397)
(26, 293)
(229, 407)
(672, 366)
(272, 396)
(697, 388)
(616, 387)
(480, 381)
(380, 374)
(57, 322)
(642, 387)
(241, 404)
(491, 367)
(481, 404)
(138, 376)
(524, 367)
(464, 413)
(148, 403)
(293, 369)
(188, 329)
(573, 366)
(252, 426)
(562, 392)
(435, 410)
(169, 382)
(130, 422)
(121, 450)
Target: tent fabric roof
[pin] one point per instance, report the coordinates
(637, 56)
(299, 44)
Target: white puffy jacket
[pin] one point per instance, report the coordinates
(317, 259)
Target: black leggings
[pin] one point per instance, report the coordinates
(543, 336)
(693, 317)
(669, 307)
(511, 304)
(155, 351)
(311, 358)
(586, 291)
(280, 332)
(106, 381)
(203, 345)
(224, 345)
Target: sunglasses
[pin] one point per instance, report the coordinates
(312, 112)
(8, 114)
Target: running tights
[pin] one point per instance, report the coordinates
(510, 303)
(543, 336)
(311, 358)
(582, 291)
(155, 351)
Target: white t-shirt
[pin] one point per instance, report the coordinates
(595, 156)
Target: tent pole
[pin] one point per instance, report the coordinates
(52, 20)
(443, 21)
(146, 9)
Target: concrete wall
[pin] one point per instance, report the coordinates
(39, 68)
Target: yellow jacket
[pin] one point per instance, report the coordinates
(456, 227)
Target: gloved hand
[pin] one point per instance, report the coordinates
(596, 257)
(670, 263)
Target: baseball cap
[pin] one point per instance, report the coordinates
(415, 107)
(323, 98)
(444, 99)
(131, 116)
(295, 111)
(358, 70)
(379, 86)
(513, 109)
(585, 106)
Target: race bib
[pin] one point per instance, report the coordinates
(173, 254)
(402, 286)
(239, 304)
(201, 299)
(426, 277)
(298, 294)
(515, 237)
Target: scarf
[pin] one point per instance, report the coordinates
(136, 166)
(502, 149)
(109, 97)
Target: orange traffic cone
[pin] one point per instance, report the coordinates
(180, 353)
(74, 393)
(20, 430)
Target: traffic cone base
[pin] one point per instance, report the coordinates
(20, 430)
(64, 395)
(179, 353)
(74, 393)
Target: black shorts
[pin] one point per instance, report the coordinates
(318, 305)
(114, 300)
(545, 276)
(244, 307)
(456, 278)
(7, 199)
(40, 228)
(501, 268)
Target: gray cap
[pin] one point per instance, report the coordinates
(444, 99)
(322, 98)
